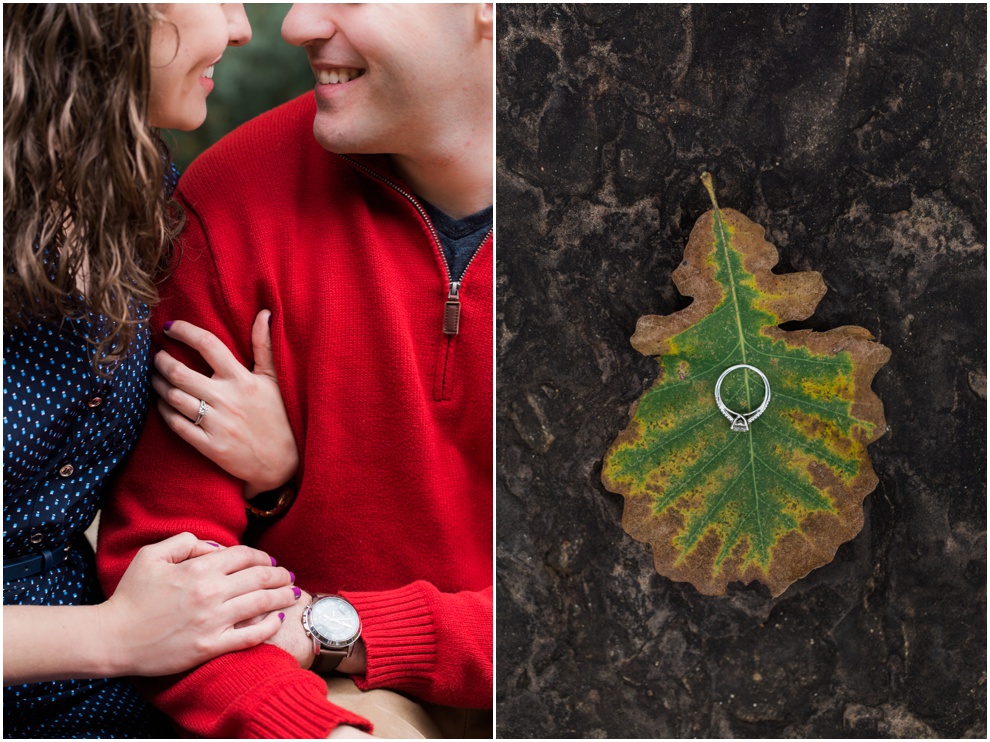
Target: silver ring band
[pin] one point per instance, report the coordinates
(203, 409)
(740, 422)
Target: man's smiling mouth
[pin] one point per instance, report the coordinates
(335, 75)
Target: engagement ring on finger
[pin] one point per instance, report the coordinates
(204, 408)
(741, 421)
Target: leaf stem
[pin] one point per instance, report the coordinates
(706, 179)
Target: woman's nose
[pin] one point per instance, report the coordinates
(238, 25)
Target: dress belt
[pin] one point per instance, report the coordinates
(35, 564)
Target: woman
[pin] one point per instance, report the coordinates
(87, 226)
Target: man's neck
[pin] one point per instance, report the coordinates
(457, 181)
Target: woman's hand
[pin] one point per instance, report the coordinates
(245, 430)
(180, 603)
(184, 601)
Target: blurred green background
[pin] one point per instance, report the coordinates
(249, 80)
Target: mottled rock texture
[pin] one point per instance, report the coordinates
(857, 136)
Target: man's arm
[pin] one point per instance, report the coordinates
(167, 487)
(432, 645)
(408, 630)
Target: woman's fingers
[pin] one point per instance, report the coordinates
(250, 621)
(237, 558)
(179, 400)
(179, 548)
(181, 376)
(256, 579)
(213, 350)
(194, 435)
(261, 342)
(249, 635)
(247, 609)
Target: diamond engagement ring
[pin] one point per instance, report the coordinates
(740, 421)
(204, 408)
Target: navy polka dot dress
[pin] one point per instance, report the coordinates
(66, 428)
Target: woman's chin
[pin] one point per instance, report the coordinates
(180, 121)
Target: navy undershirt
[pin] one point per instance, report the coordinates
(460, 238)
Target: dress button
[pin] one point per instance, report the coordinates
(37, 538)
(66, 471)
(95, 402)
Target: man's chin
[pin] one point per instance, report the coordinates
(334, 141)
(342, 137)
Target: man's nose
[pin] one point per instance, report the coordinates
(306, 22)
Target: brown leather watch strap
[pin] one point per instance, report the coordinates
(328, 660)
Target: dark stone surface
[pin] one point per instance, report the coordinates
(857, 136)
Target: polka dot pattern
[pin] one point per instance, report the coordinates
(66, 428)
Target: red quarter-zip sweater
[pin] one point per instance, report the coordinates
(392, 418)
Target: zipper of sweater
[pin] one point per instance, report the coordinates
(452, 309)
(452, 305)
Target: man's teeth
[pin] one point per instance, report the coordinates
(209, 73)
(337, 74)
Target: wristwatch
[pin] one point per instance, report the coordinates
(334, 626)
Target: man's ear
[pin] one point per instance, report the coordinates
(486, 20)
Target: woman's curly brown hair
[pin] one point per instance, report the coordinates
(83, 171)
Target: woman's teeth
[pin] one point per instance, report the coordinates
(337, 75)
(209, 73)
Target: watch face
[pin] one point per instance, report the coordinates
(335, 620)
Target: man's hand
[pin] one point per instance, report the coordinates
(292, 637)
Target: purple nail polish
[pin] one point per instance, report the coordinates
(292, 576)
(274, 563)
(213, 544)
(281, 617)
(269, 320)
(168, 325)
(297, 592)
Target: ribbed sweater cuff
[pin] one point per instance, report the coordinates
(299, 710)
(399, 637)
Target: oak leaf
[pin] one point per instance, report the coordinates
(723, 496)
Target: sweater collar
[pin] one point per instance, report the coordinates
(379, 165)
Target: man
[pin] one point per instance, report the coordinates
(372, 246)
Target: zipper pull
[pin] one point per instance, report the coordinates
(452, 310)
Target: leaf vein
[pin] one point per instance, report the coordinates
(700, 374)
(675, 492)
(840, 415)
(685, 431)
(702, 522)
(827, 457)
(816, 499)
(821, 361)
